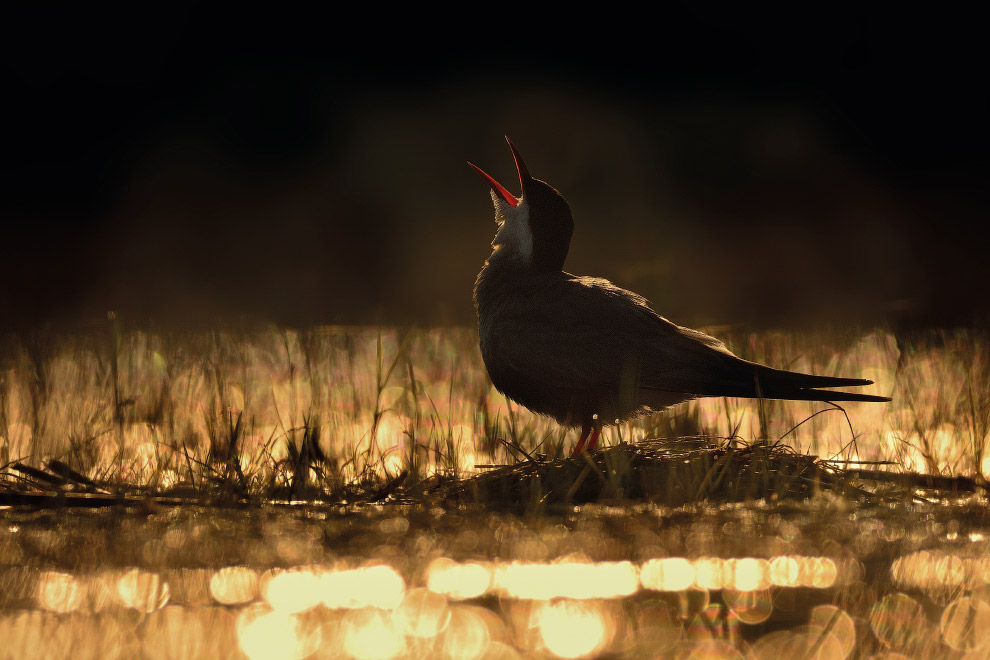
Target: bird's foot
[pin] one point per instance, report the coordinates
(592, 442)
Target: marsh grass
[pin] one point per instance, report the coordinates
(358, 414)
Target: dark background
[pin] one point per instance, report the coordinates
(767, 169)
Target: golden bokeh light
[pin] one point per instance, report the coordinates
(806, 642)
(422, 613)
(370, 586)
(938, 570)
(965, 624)
(371, 634)
(667, 574)
(458, 581)
(801, 571)
(748, 574)
(60, 592)
(142, 591)
(818, 572)
(566, 579)
(265, 634)
(837, 623)
(234, 585)
(751, 607)
(294, 590)
(301, 589)
(708, 573)
(950, 570)
(785, 571)
(899, 622)
(466, 636)
(573, 629)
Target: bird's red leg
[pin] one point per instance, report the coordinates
(593, 440)
(579, 447)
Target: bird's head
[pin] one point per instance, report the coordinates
(535, 227)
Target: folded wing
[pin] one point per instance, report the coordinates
(586, 333)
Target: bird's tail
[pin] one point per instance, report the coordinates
(769, 383)
(757, 381)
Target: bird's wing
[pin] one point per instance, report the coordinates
(587, 332)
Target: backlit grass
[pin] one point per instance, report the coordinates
(299, 413)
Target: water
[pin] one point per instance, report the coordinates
(374, 582)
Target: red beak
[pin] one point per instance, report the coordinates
(499, 189)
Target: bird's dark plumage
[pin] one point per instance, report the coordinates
(587, 352)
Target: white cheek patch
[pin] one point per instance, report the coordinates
(513, 235)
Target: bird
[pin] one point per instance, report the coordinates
(588, 353)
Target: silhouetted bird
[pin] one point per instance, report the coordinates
(587, 352)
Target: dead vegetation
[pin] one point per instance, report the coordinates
(688, 471)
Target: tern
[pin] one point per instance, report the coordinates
(588, 353)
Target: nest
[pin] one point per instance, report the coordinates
(687, 471)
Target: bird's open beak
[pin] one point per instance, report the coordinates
(497, 187)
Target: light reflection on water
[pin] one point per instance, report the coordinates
(426, 597)
(459, 581)
(566, 579)
(574, 629)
